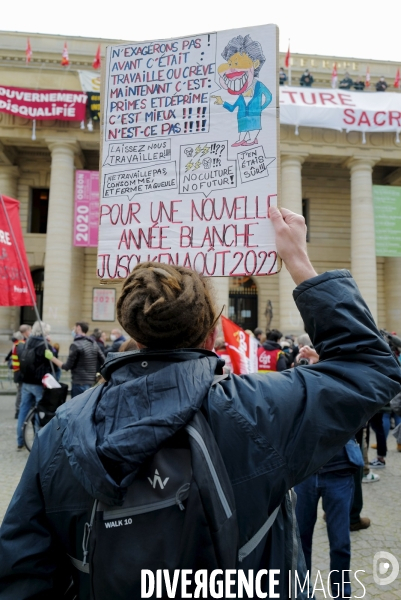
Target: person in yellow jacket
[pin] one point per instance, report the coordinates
(19, 338)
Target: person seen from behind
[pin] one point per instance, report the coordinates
(33, 366)
(334, 483)
(271, 357)
(270, 432)
(16, 339)
(84, 359)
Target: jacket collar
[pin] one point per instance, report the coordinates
(116, 360)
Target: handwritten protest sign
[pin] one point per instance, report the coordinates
(189, 154)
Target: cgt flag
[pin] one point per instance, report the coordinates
(241, 347)
(16, 287)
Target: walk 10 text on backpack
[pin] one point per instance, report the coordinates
(238, 583)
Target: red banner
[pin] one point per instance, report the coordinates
(43, 105)
(241, 347)
(16, 289)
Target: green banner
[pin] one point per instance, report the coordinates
(387, 211)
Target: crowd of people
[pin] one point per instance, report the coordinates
(198, 463)
(339, 481)
(346, 83)
(34, 355)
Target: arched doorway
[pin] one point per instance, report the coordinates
(28, 315)
(243, 302)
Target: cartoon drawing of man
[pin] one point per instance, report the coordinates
(238, 76)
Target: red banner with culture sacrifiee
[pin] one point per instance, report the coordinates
(43, 105)
(15, 288)
(241, 347)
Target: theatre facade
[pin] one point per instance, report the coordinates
(326, 174)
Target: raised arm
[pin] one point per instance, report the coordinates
(308, 413)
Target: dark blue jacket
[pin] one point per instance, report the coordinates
(273, 431)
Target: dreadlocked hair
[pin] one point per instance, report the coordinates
(166, 307)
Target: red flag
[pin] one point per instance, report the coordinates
(235, 338)
(241, 347)
(287, 57)
(97, 60)
(367, 78)
(16, 287)
(28, 51)
(334, 77)
(397, 79)
(65, 61)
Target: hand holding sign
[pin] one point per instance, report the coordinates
(290, 230)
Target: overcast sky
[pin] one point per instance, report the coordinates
(348, 28)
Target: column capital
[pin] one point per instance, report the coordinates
(295, 158)
(361, 162)
(55, 144)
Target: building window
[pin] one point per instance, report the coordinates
(305, 214)
(39, 210)
(28, 315)
(243, 302)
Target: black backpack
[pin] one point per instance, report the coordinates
(28, 361)
(179, 513)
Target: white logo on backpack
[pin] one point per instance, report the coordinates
(157, 479)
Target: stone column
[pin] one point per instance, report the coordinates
(392, 292)
(62, 260)
(291, 198)
(363, 254)
(8, 187)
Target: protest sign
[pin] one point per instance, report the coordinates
(387, 212)
(189, 154)
(16, 287)
(43, 105)
(340, 109)
(241, 347)
(86, 208)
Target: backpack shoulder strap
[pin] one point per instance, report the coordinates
(256, 539)
(211, 477)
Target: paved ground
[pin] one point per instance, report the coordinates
(382, 504)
